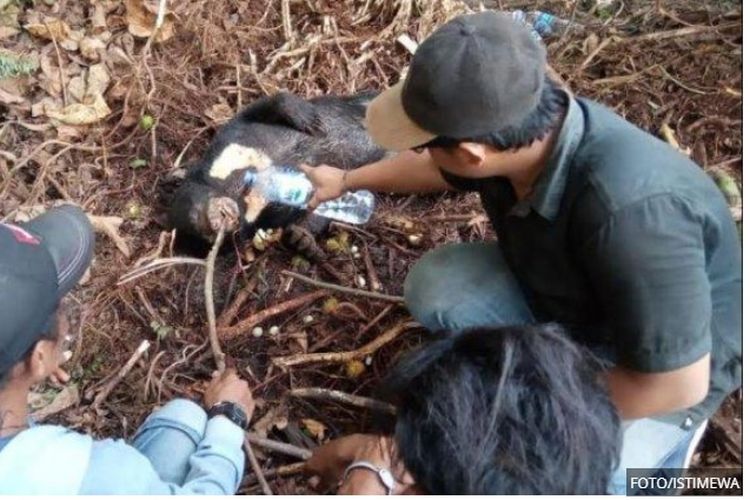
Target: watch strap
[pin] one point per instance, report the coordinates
(384, 475)
(232, 411)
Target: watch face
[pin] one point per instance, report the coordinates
(232, 411)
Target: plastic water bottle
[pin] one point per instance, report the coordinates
(543, 24)
(290, 186)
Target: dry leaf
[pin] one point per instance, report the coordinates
(141, 19)
(77, 88)
(90, 48)
(66, 398)
(97, 80)
(82, 113)
(44, 106)
(50, 29)
(98, 18)
(7, 32)
(8, 98)
(110, 226)
(219, 113)
(316, 428)
(276, 417)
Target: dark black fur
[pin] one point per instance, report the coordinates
(290, 130)
(505, 411)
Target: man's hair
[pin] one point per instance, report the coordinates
(534, 127)
(512, 410)
(48, 334)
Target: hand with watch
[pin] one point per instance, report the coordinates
(361, 464)
(229, 396)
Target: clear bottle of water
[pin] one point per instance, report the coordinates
(290, 186)
(543, 24)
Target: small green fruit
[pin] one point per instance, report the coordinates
(146, 122)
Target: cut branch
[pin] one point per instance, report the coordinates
(343, 289)
(142, 348)
(219, 356)
(279, 447)
(342, 357)
(245, 325)
(256, 468)
(343, 397)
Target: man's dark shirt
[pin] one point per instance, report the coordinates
(630, 245)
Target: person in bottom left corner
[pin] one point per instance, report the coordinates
(180, 448)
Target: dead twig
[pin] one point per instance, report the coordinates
(219, 356)
(142, 348)
(343, 289)
(678, 33)
(279, 447)
(156, 265)
(248, 323)
(59, 66)
(228, 315)
(110, 226)
(372, 275)
(257, 468)
(342, 397)
(286, 21)
(342, 357)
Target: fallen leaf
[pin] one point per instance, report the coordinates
(276, 417)
(77, 88)
(8, 98)
(98, 18)
(219, 113)
(50, 29)
(301, 339)
(8, 32)
(90, 48)
(317, 429)
(141, 18)
(82, 113)
(66, 398)
(97, 79)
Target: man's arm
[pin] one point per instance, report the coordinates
(406, 172)
(647, 267)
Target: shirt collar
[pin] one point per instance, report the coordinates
(548, 190)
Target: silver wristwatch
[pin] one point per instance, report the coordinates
(384, 475)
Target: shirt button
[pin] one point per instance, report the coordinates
(687, 424)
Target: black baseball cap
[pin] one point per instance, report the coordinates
(40, 261)
(477, 74)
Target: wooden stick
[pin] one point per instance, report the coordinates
(213, 337)
(277, 446)
(342, 357)
(342, 397)
(142, 348)
(344, 289)
(286, 20)
(677, 33)
(256, 468)
(226, 317)
(156, 265)
(248, 323)
(372, 275)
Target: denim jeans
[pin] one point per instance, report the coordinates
(469, 285)
(169, 437)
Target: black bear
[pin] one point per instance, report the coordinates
(282, 129)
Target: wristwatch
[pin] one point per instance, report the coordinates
(232, 411)
(384, 475)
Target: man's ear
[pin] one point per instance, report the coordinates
(473, 152)
(38, 364)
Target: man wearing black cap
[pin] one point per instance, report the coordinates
(601, 227)
(180, 449)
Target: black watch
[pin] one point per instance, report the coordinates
(232, 411)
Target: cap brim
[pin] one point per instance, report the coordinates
(390, 126)
(68, 236)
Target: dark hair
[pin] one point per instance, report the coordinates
(49, 333)
(538, 123)
(512, 410)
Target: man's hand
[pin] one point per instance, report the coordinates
(331, 460)
(329, 183)
(228, 386)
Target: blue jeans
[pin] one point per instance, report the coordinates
(169, 437)
(469, 285)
